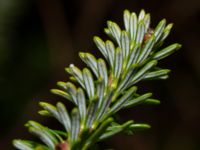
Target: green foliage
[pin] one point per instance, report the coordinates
(105, 87)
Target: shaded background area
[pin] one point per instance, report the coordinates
(39, 38)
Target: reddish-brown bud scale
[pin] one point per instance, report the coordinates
(62, 146)
(148, 34)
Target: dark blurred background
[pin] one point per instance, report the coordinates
(39, 38)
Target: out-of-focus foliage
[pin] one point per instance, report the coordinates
(23, 58)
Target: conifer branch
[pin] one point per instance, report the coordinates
(105, 86)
